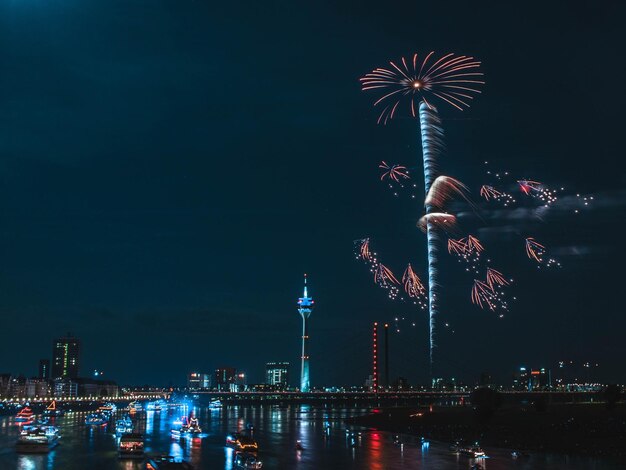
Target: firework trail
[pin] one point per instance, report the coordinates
(490, 293)
(457, 247)
(440, 220)
(413, 286)
(395, 175)
(385, 279)
(364, 249)
(444, 189)
(535, 189)
(489, 192)
(495, 278)
(383, 276)
(393, 172)
(453, 79)
(536, 251)
(468, 250)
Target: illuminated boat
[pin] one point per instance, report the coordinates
(53, 410)
(215, 405)
(134, 406)
(242, 443)
(247, 460)
(232, 439)
(38, 439)
(107, 409)
(190, 429)
(25, 415)
(473, 451)
(124, 425)
(96, 419)
(131, 446)
(167, 462)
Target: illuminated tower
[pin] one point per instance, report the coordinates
(375, 358)
(305, 308)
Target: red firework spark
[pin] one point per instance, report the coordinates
(474, 244)
(384, 276)
(393, 172)
(451, 78)
(495, 278)
(528, 186)
(535, 250)
(457, 246)
(364, 250)
(489, 192)
(483, 294)
(412, 284)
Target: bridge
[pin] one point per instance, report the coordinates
(383, 398)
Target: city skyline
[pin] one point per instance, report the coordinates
(153, 200)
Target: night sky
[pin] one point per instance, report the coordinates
(169, 169)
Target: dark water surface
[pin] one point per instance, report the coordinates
(277, 428)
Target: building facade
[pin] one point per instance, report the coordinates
(44, 369)
(198, 380)
(225, 377)
(277, 374)
(65, 357)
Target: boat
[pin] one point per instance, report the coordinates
(215, 405)
(516, 454)
(190, 428)
(166, 462)
(25, 415)
(107, 409)
(96, 419)
(134, 406)
(299, 445)
(246, 444)
(124, 425)
(131, 446)
(232, 439)
(53, 410)
(473, 451)
(38, 439)
(247, 460)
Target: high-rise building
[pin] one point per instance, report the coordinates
(224, 376)
(44, 369)
(305, 308)
(197, 380)
(65, 355)
(277, 374)
(531, 379)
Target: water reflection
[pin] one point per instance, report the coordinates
(326, 440)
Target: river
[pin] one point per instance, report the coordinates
(322, 432)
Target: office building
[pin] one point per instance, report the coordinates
(277, 374)
(65, 357)
(44, 369)
(198, 380)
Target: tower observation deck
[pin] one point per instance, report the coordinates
(305, 308)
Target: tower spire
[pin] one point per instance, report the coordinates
(305, 308)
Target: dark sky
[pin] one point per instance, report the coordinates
(170, 168)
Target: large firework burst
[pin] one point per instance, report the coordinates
(451, 78)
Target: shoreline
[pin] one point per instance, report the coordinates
(572, 429)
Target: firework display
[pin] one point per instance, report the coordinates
(536, 252)
(412, 87)
(452, 79)
(393, 172)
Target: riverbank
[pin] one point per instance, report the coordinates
(583, 429)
